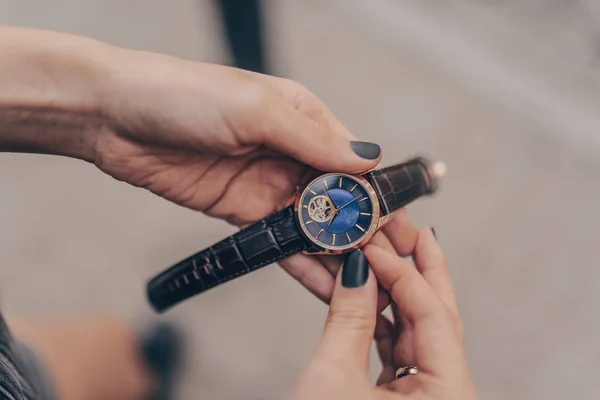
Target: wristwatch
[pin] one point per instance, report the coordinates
(333, 214)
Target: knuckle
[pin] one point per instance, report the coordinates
(350, 316)
(303, 99)
(297, 90)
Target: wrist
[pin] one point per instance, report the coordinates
(51, 85)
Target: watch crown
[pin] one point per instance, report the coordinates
(438, 169)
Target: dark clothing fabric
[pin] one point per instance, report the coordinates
(22, 375)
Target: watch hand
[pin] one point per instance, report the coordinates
(332, 216)
(337, 210)
(331, 219)
(329, 198)
(354, 199)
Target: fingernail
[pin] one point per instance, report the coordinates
(367, 150)
(433, 231)
(355, 271)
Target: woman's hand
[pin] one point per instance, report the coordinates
(427, 332)
(230, 143)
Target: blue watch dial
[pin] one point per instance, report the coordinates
(336, 211)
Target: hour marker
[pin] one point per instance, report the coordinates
(333, 240)
(348, 236)
(321, 231)
(362, 213)
(363, 199)
(340, 181)
(360, 227)
(313, 192)
(353, 187)
(309, 222)
(305, 206)
(325, 183)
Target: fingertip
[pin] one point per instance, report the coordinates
(320, 146)
(385, 265)
(402, 233)
(428, 232)
(352, 313)
(366, 150)
(430, 261)
(371, 251)
(347, 156)
(426, 235)
(381, 240)
(355, 271)
(358, 157)
(427, 244)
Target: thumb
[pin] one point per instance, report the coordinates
(321, 145)
(352, 315)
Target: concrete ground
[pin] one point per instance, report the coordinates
(517, 213)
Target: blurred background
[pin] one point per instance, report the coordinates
(507, 93)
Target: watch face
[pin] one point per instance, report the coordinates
(337, 211)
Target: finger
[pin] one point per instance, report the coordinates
(402, 237)
(317, 144)
(332, 263)
(383, 298)
(380, 239)
(384, 339)
(383, 393)
(303, 100)
(401, 233)
(311, 274)
(431, 263)
(414, 298)
(436, 335)
(351, 321)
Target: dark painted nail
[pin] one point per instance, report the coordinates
(355, 271)
(433, 231)
(367, 150)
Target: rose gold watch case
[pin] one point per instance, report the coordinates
(376, 223)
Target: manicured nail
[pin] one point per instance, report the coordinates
(433, 231)
(355, 271)
(367, 150)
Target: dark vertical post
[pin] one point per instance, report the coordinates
(244, 30)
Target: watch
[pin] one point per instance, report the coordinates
(333, 214)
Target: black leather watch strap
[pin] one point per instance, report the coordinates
(256, 246)
(398, 185)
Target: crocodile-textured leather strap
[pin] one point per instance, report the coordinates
(398, 185)
(256, 246)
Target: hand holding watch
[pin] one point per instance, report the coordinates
(333, 214)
